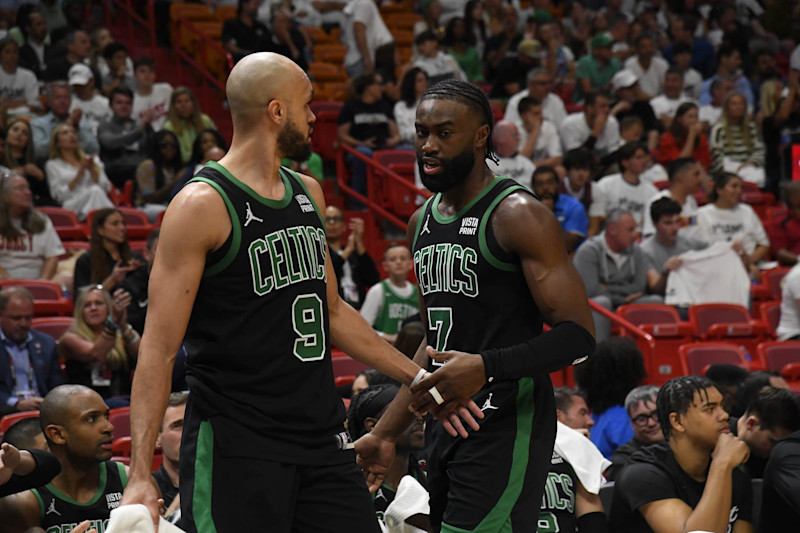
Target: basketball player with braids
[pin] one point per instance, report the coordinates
(492, 268)
(242, 272)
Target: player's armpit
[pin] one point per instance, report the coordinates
(742, 527)
(666, 516)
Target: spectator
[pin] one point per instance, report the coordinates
(436, 64)
(735, 143)
(431, 19)
(686, 177)
(781, 126)
(58, 102)
(780, 503)
(789, 325)
(410, 336)
(78, 49)
(539, 138)
(728, 379)
(286, 39)
(109, 259)
(355, 269)
(29, 245)
(616, 368)
(627, 103)
(752, 383)
(18, 156)
(501, 48)
(640, 404)
(691, 481)
(366, 123)
(415, 82)
(169, 440)
(727, 219)
(476, 24)
(93, 107)
(150, 96)
(244, 34)
(19, 88)
(557, 58)
(77, 181)
(710, 114)
(157, 175)
(27, 433)
(31, 368)
(613, 268)
(784, 233)
(593, 72)
(370, 45)
(394, 299)
(123, 140)
(509, 161)
(100, 38)
(683, 31)
(684, 138)
(539, 87)
(185, 120)
(692, 80)
(116, 56)
(572, 411)
(100, 347)
(34, 53)
(568, 210)
(649, 68)
(594, 128)
(771, 415)
(624, 190)
(136, 284)
(578, 164)
(666, 245)
(460, 43)
(208, 146)
(728, 63)
(665, 105)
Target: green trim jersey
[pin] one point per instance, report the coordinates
(557, 513)
(61, 514)
(257, 343)
(395, 309)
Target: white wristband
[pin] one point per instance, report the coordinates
(418, 378)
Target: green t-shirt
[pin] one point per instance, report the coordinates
(314, 165)
(395, 309)
(599, 76)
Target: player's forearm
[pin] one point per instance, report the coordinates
(712, 511)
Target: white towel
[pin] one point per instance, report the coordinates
(411, 499)
(136, 519)
(584, 457)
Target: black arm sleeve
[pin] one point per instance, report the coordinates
(560, 347)
(593, 523)
(47, 467)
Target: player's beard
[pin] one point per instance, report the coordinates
(293, 144)
(453, 171)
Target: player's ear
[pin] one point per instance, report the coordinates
(482, 136)
(56, 434)
(276, 111)
(369, 423)
(752, 423)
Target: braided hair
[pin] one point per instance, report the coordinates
(469, 95)
(369, 403)
(676, 395)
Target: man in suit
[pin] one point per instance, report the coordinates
(29, 366)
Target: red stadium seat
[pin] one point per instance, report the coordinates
(395, 197)
(9, 420)
(729, 322)
(661, 184)
(120, 418)
(341, 381)
(344, 365)
(664, 324)
(771, 315)
(137, 224)
(776, 212)
(772, 279)
(778, 354)
(325, 137)
(695, 357)
(121, 447)
(55, 326)
(121, 459)
(48, 299)
(791, 373)
(65, 223)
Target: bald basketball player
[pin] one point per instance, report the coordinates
(242, 274)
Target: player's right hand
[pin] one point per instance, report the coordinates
(730, 450)
(145, 492)
(374, 455)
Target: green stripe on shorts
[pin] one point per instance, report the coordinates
(203, 467)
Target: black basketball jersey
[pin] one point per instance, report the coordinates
(257, 343)
(558, 499)
(60, 513)
(475, 292)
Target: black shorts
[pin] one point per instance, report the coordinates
(492, 482)
(235, 494)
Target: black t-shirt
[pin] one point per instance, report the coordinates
(497, 42)
(643, 110)
(653, 474)
(780, 503)
(255, 38)
(620, 458)
(367, 120)
(168, 490)
(284, 49)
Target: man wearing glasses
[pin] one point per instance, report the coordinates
(641, 407)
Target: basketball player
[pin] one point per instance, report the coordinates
(492, 268)
(242, 270)
(75, 422)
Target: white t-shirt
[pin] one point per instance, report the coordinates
(613, 192)
(373, 301)
(553, 109)
(405, 117)
(713, 275)
(710, 114)
(727, 225)
(518, 168)
(655, 173)
(24, 257)
(575, 131)
(443, 66)
(651, 80)
(22, 85)
(688, 214)
(157, 101)
(692, 84)
(365, 12)
(95, 110)
(548, 144)
(789, 325)
(663, 105)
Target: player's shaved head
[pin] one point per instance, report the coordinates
(258, 79)
(56, 405)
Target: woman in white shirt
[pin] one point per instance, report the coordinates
(77, 180)
(414, 83)
(727, 219)
(19, 88)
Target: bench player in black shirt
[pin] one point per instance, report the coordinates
(492, 268)
(243, 269)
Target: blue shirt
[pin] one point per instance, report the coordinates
(26, 381)
(742, 85)
(612, 429)
(571, 215)
(703, 56)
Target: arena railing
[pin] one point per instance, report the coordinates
(199, 62)
(132, 15)
(645, 341)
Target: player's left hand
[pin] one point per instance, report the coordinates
(9, 460)
(374, 455)
(457, 381)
